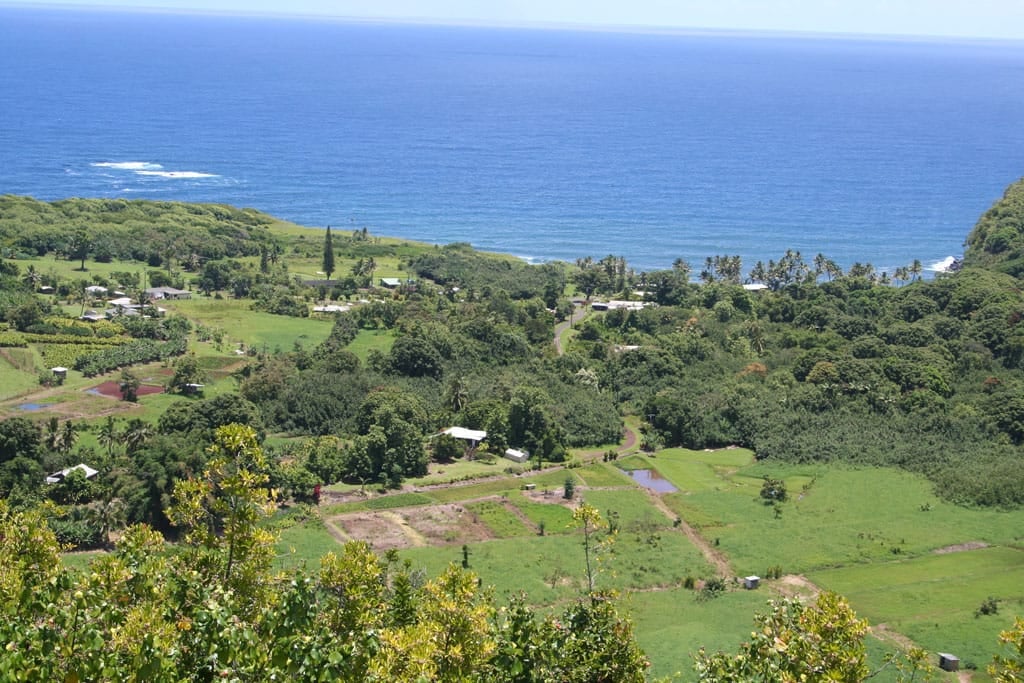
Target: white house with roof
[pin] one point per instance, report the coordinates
(58, 477)
(156, 293)
(473, 436)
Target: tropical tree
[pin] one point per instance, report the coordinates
(588, 519)
(108, 514)
(129, 386)
(79, 245)
(186, 372)
(456, 394)
(221, 511)
(108, 436)
(136, 434)
(819, 642)
(32, 277)
(68, 436)
(1009, 668)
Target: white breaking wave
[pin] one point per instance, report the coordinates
(128, 165)
(177, 174)
(944, 265)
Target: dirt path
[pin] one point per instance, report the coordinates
(629, 441)
(714, 557)
(335, 531)
(578, 313)
(415, 538)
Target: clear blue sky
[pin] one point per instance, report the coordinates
(973, 18)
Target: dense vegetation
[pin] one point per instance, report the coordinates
(213, 609)
(820, 365)
(997, 241)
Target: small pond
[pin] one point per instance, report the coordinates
(30, 407)
(652, 480)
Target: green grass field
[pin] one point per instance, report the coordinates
(304, 545)
(552, 568)
(501, 521)
(256, 329)
(933, 598)
(371, 340)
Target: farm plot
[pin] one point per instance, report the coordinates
(407, 527)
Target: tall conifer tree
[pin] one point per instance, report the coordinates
(328, 254)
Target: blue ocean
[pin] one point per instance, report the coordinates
(548, 144)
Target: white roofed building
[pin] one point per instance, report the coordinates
(473, 436)
(58, 477)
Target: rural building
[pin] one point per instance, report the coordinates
(473, 436)
(168, 293)
(95, 290)
(619, 305)
(755, 286)
(125, 306)
(58, 477)
(390, 282)
(331, 308)
(751, 582)
(61, 373)
(516, 455)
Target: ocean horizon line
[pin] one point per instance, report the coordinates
(556, 26)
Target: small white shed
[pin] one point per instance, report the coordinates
(751, 582)
(516, 455)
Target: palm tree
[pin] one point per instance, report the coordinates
(68, 436)
(457, 394)
(129, 386)
(916, 269)
(32, 277)
(136, 435)
(53, 435)
(108, 513)
(108, 435)
(83, 294)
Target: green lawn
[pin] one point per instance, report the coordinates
(933, 598)
(835, 516)
(499, 519)
(551, 568)
(369, 340)
(672, 625)
(253, 328)
(304, 545)
(603, 474)
(444, 473)
(632, 507)
(554, 517)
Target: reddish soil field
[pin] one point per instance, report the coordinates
(112, 389)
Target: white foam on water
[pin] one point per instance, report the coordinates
(128, 165)
(176, 174)
(942, 266)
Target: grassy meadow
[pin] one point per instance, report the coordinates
(869, 534)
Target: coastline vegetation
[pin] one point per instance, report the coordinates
(886, 406)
